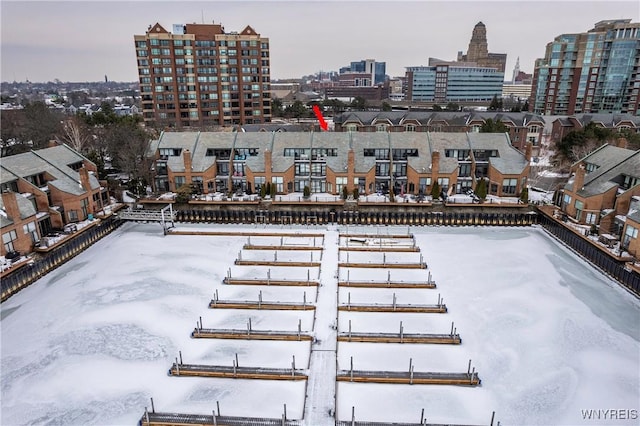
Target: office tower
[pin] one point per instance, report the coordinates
(459, 82)
(201, 76)
(478, 51)
(592, 72)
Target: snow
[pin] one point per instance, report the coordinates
(92, 341)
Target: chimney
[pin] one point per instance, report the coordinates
(435, 166)
(84, 178)
(11, 205)
(186, 155)
(578, 180)
(527, 152)
(267, 165)
(622, 142)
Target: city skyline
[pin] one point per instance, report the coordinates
(305, 37)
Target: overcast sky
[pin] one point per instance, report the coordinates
(84, 40)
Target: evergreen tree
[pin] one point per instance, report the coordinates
(481, 189)
(524, 195)
(435, 190)
(345, 192)
(306, 192)
(356, 193)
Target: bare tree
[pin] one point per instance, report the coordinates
(581, 151)
(76, 135)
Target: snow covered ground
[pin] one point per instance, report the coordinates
(92, 341)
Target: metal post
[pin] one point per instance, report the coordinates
(200, 323)
(237, 364)
(351, 369)
(275, 256)
(469, 367)
(260, 300)
(384, 258)
(422, 417)
(492, 417)
(249, 327)
(353, 416)
(146, 415)
(304, 299)
(401, 332)
(411, 376)
(240, 255)
(180, 353)
(299, 328)
(234, 368)
(394, 301)
(451, 328)
(218, 406)
(388, 278)
(215, 421)
(153, 408)
(349, 301)
(349, 330)
(177, 367)
(285, 411)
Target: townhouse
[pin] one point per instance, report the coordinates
(326, 162)
(43, 190)
(523, 127)
(604, 191)
(561, 126)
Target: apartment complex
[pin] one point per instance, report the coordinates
(43, 190)
(592, 72)
(409, 162)
(201, 76)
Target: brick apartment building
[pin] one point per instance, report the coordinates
(563, 125)
(201, 76)
(43, 190)
(409, 162)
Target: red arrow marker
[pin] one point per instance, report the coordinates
(323, 124)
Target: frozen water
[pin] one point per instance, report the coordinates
(91, 342)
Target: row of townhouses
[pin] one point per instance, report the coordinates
(328, 161)
(44, 190)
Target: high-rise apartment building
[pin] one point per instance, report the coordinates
(478, 51)
(590, 72)
(201, 76)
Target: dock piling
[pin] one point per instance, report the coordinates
(180, 353)
(153, 408)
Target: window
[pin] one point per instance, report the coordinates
(179, 181)
(424, 184)
(73, 215)
(84, 205)
(381, 127)
(579, 205)
(509, 186)
(591, 218)
(444, 184)
(629, 233)
(30, 228)
(341, 181)
(352, 127)
(410, 128)
(8, 238)
(259, 182)
(278, 181)
(566, 200)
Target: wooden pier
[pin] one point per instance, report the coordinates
(385, 236)
(275, 263)
(247, 234)
(407, 249)
(235, 372)
(273, 306)
(268, 282)
(408, 378)
(279, 247)
(361, 307)
(387, 284)
(249, 334)
(178, 419)
(444, 339)
(385, 265)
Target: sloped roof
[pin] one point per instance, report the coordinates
(54, 161)
(608, 175)
(510, 160)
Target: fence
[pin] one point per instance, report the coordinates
(46, 262)
(344, 217)
(606, 263)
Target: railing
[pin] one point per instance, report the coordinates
(23, 277)
(603, 261)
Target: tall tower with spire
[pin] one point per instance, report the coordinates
(516, 70)
(478, 51)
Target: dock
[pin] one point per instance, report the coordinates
(275, 263)
(408, 378)
(235, 372)
(274, 306)
(362, 307)
(407, 249)
(178, 419)
(392, 265)
(387, 284)
(445, 339)
(249, 334)
(279, 247)
(268, 282)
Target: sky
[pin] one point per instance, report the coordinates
(86, 40)
(90, 344)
